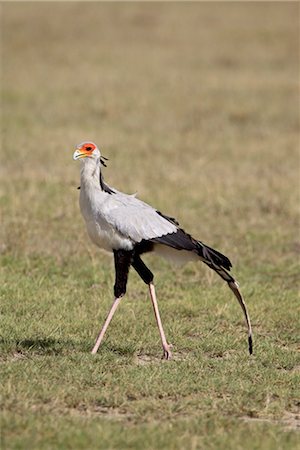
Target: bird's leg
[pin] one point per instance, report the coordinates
(166, 347)
(106, 323)
(122, 263)
(147, 276)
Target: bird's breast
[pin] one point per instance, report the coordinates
(102, 233)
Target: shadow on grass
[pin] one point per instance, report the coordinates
(43, 346)
(51, 346)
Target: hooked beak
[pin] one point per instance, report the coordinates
(79, 154)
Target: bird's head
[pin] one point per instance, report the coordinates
(87, 150)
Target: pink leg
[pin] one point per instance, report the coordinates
(106, 323)
(166, 347)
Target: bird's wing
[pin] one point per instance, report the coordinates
(135, 219)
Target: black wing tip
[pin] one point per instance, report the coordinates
(227, 265)
(168, 218)
(214, 256)
(250, 345)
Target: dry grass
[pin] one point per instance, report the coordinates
(197, 107)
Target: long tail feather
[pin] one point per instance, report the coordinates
(212, 258)
(235, 289)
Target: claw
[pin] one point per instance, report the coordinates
(167, 352)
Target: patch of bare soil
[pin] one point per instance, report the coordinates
(16, 356)
(289, 421)
(142, 360)
(101, 411)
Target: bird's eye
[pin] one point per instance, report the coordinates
(88, 148)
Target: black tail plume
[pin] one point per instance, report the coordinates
(213, 256)
(219, 263)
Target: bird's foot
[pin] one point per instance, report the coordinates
(167, 352)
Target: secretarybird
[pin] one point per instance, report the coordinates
(122, 224)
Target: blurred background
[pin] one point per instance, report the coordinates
(194, 104)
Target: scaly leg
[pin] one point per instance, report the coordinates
(106, 323)
(166, 347)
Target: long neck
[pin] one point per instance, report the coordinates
(91, 176)
(90, 172)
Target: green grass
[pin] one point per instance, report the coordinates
(196, 106)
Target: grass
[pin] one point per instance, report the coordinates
(196, 106)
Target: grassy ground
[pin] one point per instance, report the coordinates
(196, 106)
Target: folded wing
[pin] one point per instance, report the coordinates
(135, 219)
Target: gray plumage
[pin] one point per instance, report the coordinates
(119, 222)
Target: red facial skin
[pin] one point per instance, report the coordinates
(88, 148)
